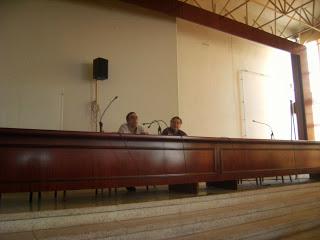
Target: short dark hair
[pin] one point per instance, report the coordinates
(129, 114)
(176, 117)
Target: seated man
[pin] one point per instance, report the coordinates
(132, 126)
(174, 129)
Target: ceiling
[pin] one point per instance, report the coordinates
(284, 18)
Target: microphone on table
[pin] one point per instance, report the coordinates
(159, 126)
(157, 122)
(105, 110)
(271, 131)
(151, 123)
(292, 120)
(163, 122)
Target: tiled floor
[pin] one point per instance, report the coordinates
(19, 202)
(87, 198)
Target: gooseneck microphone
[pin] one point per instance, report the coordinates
(163, 122)
(271, 131)
(149, 124)
(105, 110)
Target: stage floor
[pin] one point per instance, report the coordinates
(19, 202)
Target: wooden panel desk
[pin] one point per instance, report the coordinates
(41, 160)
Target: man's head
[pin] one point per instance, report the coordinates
(175, 123)
(132, 119)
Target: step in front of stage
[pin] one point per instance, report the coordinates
(257, 213)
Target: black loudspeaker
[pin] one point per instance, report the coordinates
(100, 69)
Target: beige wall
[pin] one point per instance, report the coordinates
(210, 67)
(47, 48)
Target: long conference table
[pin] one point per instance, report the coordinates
(49, 160)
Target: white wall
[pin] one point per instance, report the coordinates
(158, 68)
(207, 100)
(209, 70)
(47, 48)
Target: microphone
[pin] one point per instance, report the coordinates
(147, 123)
(157, 122)
(151, 123)
(107, 107)
(292, 121)
(163, 122)
(271, 131)
(159, 126)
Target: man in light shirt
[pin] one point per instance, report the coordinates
(132, 126)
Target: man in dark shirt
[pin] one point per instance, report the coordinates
(174, 129)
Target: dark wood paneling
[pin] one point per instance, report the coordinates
(39, 160)
(235, 160)
(175, 163)
(307, 158)
(200, 161)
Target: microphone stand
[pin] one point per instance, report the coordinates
(292, 122)
(271, 131)
(151, 123)
(159, 128)
(158, 123)
(100, 121)
(163, 122)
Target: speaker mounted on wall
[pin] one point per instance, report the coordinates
(100, 68)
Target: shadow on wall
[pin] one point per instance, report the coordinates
(117, 5)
